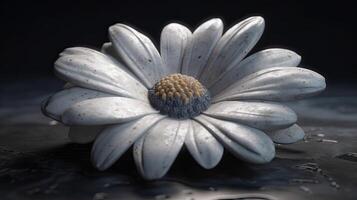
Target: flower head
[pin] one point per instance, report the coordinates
(179, 96)
(200, 91)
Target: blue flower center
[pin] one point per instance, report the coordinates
(179, 96)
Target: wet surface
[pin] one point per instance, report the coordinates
(37, 161)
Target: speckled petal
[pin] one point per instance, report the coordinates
(55, 105)
(108, 49)
(232, 48)
(261, 60)
(204, 39)
(204, 148)
(114, 140)
(288, 135)
(101, 56)
(84, 51)
(275, 84)
(106, 110)
(83, 134)
(94, 70)
(260, 115)
(244, 142)
(138, 53)
(173, 42)
(155, 152)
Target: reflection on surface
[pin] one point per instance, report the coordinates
(37, 161)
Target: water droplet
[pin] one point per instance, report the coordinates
(305, 189)
(327, 140)
(350, 156)
(53, 123)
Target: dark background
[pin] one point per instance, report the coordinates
(33, 33)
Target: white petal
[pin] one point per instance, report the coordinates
(173, 42)
(276, 83)
(204, 39)
(108, 49)
(84, 51)
(114, 140)
(138, 53)
(204, 148)
(260, 115)
(246, 143)
(55, 105)
(261, 60)
(100, 56)
(92, 69)
(83, 134)
(288, 135)
(155, 152)
(106, 110)
(232, 48)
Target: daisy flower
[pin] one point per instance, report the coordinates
(200, 91)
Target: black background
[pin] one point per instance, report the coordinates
(33, 33)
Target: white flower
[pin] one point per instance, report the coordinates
(199, 91)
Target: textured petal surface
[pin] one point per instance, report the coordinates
(261, 60)
(260, 115)
(108, 49)
(204, 39)
(106, 110)
(94, 70)
(276, 83)
(232, 48)
(114, 140)
(155, 152)
(138, 53)
(204, 148)
(173, 42)
(288, 135)
(246, 143)
(83, 134)
(55, 105)
(84, 51)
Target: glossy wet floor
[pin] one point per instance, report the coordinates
(37, 161)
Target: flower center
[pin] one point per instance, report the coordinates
(179, 96)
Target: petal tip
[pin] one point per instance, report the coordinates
(215, 23)
(106, 45)
(173, 25)
(258, 19)
(100, 166)
(117, 29)
(258, 22)
(288, 135)
(319, 82)
(291, 116)
(268, 155)
(46, 111)
(210, 165)
(97, 160)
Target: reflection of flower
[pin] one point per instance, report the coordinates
(200, 92)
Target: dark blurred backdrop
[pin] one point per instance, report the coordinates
(33, 33)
